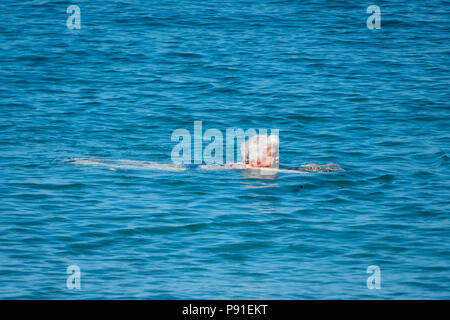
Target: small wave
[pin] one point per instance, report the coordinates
(126, 164)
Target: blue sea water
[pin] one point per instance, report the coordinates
(374, 101)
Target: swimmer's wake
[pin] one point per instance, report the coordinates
(145, 165)
(259, 153)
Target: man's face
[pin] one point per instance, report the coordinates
(270, 159)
